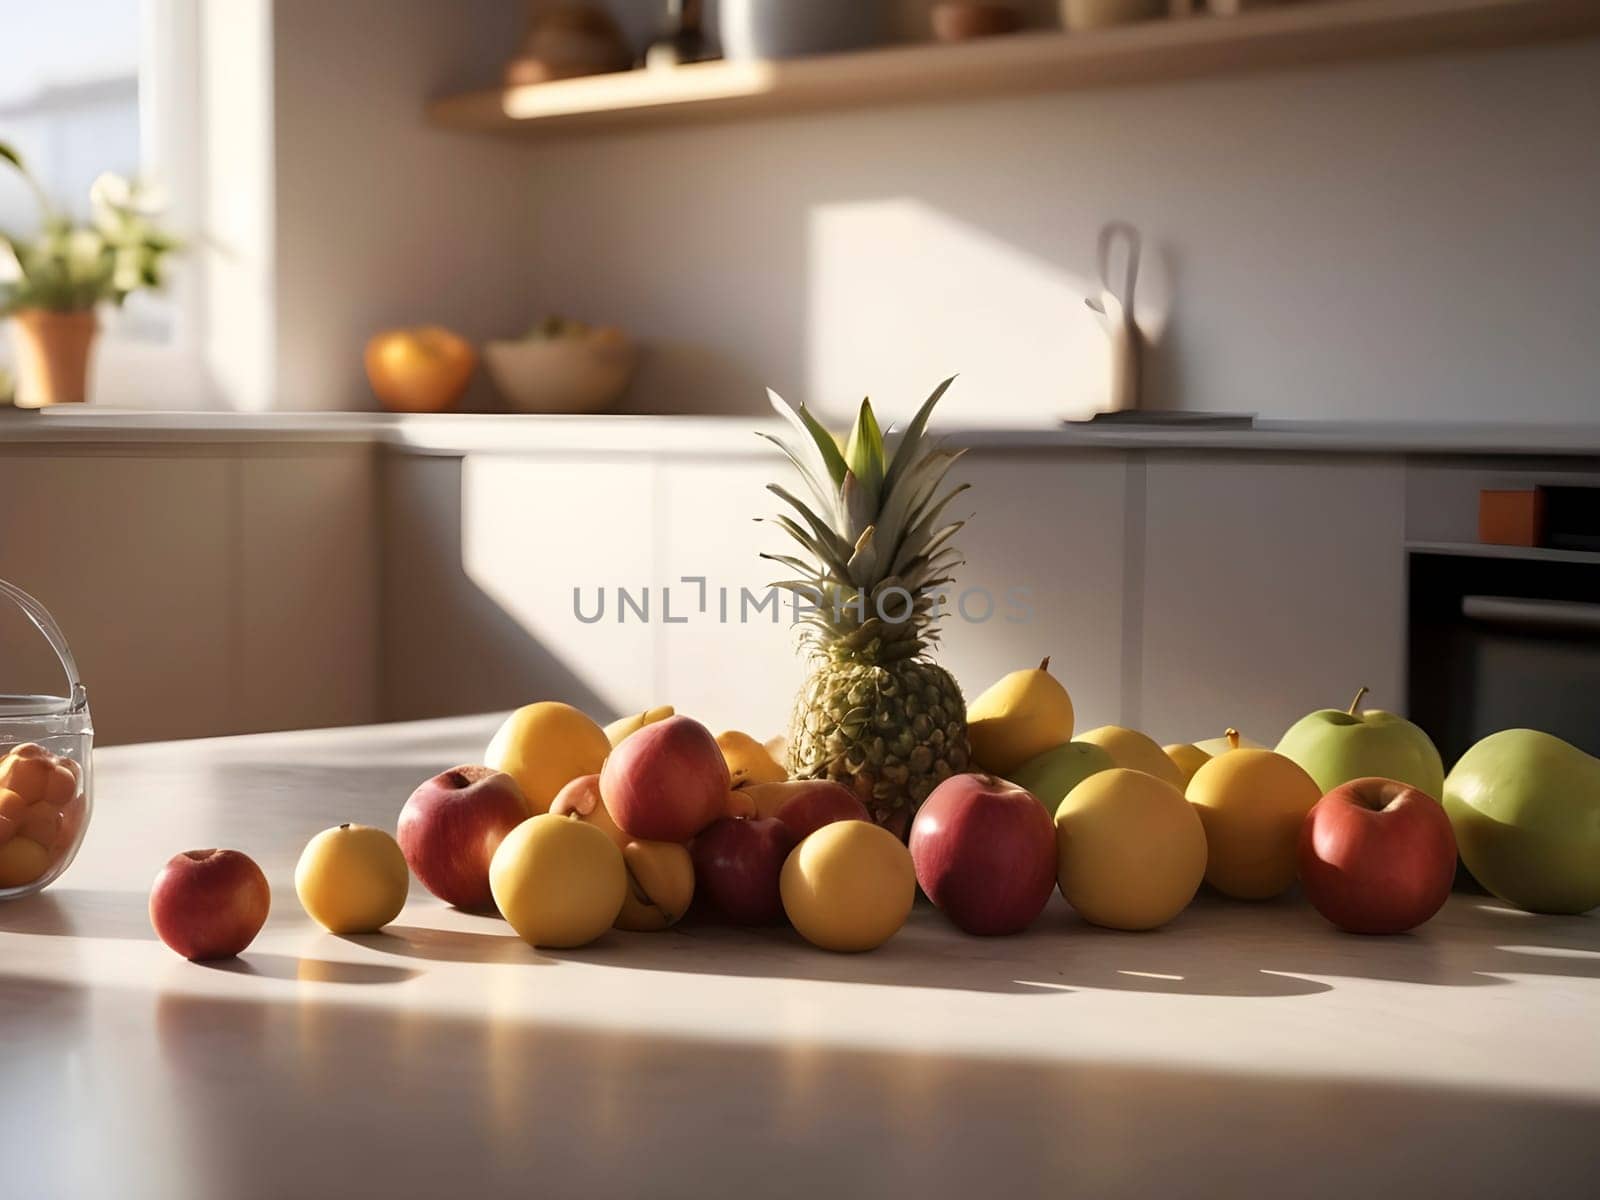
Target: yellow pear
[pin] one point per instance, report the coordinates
(1136, 751)
(1024, 714)
(623, 726)
(1221, 745)
(748, 760)
(1188, 758)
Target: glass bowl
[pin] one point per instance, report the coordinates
(46, 772)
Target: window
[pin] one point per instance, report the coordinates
(88, 86)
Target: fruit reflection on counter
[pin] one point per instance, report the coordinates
(42, 810)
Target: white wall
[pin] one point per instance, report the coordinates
(380, 220)
(1407, 240)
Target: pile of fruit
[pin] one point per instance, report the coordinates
(888, 781)
(42, 808)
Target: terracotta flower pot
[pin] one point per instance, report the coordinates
(52, 350)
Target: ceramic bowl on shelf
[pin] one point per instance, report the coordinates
(965, 20)
(758, 29)
(45, 769)
(1078, 15)
(586, 374)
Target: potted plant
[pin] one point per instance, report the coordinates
(51, 283)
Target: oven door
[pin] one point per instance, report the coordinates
(1505, 642)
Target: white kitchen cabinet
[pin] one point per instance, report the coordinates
(482, 555)
(1269, 587)
(1052, 530)
(1042, 576)
(730, 663)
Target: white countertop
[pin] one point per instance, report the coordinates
(1242, 1049)
(457, 433)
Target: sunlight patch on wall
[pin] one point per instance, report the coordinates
(902, 295)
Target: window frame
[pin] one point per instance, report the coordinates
(129, 372)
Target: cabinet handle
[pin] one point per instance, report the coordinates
(1539, 614)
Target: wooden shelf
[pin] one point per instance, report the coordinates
(1316, 31)
(1513, 553)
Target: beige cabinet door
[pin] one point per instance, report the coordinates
(1269, 588)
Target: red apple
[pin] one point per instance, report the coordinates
(452, 825)
(985, 853)
(737, 865)
(813, 803)
(666, 782)
(209, 903)
(1377, 856)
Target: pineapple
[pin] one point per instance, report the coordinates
(876, 713)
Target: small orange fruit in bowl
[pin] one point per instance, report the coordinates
(420, 370)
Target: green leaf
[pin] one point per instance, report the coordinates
(9, 153)
(864, 453)
(907, 452)
(824, 535)
(827, 500)
(826, 446)
(814, 434)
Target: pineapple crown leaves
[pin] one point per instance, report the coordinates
(874, 523)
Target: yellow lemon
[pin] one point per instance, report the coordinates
(849, 886)
(1130, 851)
(352, 879)
(559, 881)
(1252, 804)
(544, 747)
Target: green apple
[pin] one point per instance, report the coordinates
(1525, 807)
(1051, 775)
(1335, 747)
